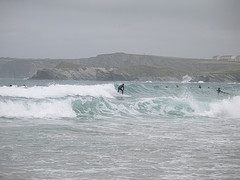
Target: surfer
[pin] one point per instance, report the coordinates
(220, 91)
(121, 87)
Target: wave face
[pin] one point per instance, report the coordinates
(140, 100)
(87, 129)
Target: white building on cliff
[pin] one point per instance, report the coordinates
(227, 58)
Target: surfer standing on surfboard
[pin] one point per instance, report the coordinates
(121, 88)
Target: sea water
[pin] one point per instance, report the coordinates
(87, 130)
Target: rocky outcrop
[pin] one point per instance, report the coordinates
(121, 66)
(92, 74)
(71, 71)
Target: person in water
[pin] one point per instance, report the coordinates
(219, 90)
(121, 88)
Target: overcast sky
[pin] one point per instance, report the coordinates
(86, 28)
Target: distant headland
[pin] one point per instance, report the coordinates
(123, 67)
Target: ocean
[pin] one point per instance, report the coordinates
(87, 130)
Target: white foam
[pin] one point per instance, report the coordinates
(36, 109)
(57, 91)
(186, 78)
(225, 108)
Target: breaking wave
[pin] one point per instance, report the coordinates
(58, 91)
(186, 79)
(149, 100)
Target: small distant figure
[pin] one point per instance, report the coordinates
(121, 88)
(10, 85)
(220, 91)
(177, 86)
(166, 86)
(200, 86)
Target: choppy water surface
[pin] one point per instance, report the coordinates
(86, 130)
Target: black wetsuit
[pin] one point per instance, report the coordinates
(121, 88)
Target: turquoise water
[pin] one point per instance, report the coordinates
(86, 130)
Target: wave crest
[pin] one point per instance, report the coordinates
(225, 108)
(140, 100)
(58, 91)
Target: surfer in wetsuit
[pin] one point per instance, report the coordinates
(121, 88)
(220, 91)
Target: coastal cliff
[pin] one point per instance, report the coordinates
(122, 67)
(71, 71)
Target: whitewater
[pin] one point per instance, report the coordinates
(87, 130)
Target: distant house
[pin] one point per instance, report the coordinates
(233, 58)
(227, 58)
(238, 58)
(216, 57)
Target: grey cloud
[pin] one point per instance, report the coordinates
(83, 28)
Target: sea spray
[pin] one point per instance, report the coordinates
(139, 100)
(186, 79)
(26, 108)
(58, 91)
(72, 130)
(225, 108)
